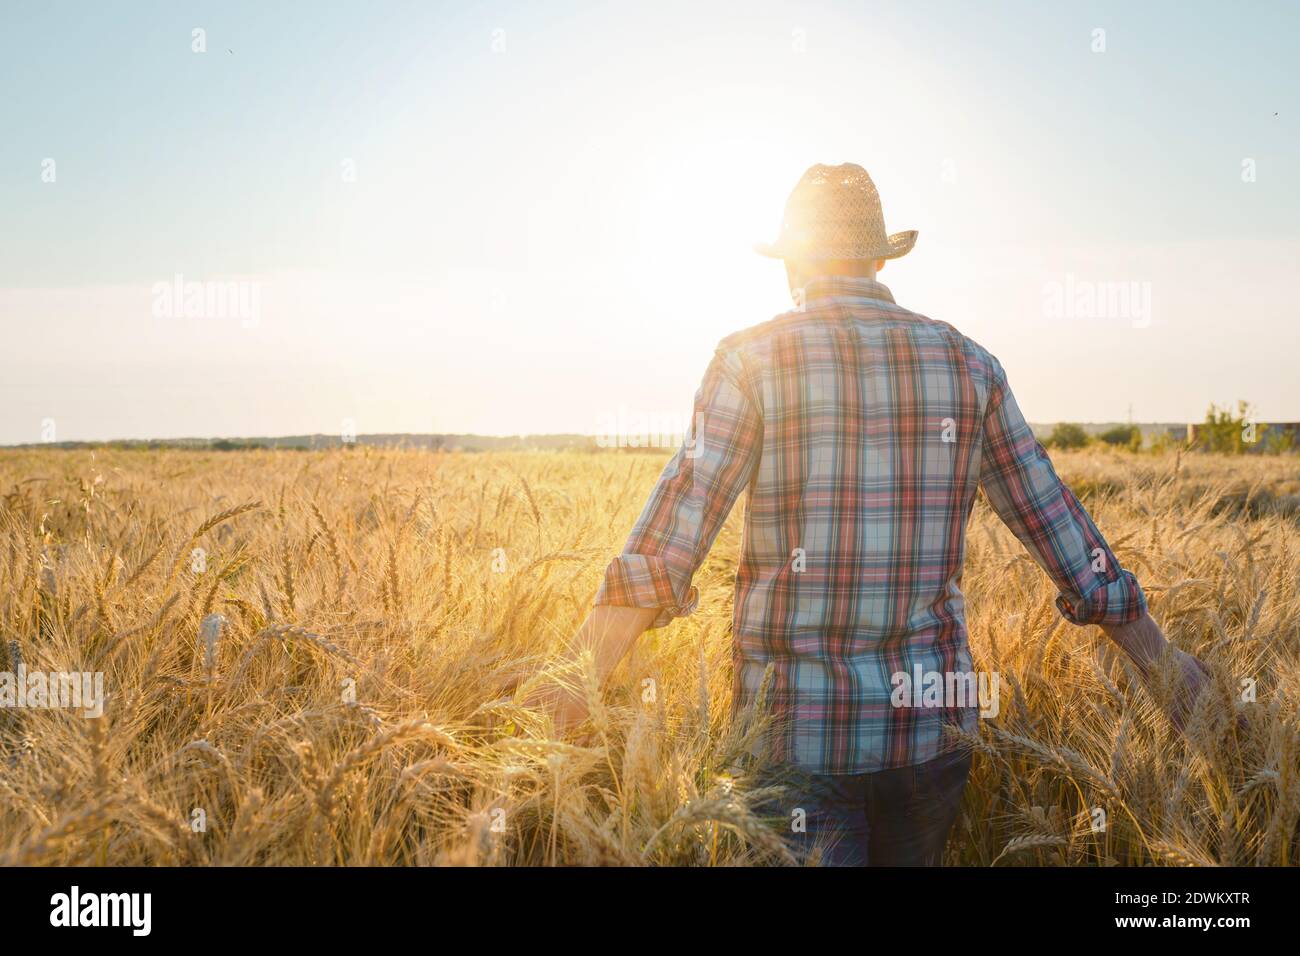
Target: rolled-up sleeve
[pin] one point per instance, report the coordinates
(1024, 490)
(692, 498)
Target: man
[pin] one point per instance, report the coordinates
(861, 431)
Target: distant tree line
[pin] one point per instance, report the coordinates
(1224, 431)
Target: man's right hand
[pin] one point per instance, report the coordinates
(1144, 642)
(1193, 678)
(569, 710)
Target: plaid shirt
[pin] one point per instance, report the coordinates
(862, 432)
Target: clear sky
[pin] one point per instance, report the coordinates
(514, 218)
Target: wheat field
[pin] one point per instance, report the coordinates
(385, 614)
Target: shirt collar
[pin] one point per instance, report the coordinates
(852, 286)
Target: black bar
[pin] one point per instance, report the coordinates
(334, 906)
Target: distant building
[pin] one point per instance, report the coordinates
(1269, 436)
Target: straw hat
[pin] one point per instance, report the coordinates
(834, 213)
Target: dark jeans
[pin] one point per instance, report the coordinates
(895, 817)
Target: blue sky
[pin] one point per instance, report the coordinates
(551, 206)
